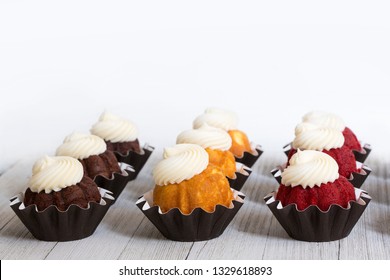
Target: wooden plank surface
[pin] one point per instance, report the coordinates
(125, 233)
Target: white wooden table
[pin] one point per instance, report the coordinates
(125, 233)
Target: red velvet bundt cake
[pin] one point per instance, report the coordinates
(119, 134)
(330, 141)
(333, 121)
(351, 140)
(312, 178)
(92, 152)
(60, 181)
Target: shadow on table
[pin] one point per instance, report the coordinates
(260, 221)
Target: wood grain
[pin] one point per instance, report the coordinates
(125, 233)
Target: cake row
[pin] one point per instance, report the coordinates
(198, 181)
(318, 199)
(68, 194)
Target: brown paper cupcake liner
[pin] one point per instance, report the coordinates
(360, 156)
(357, 178)
(199, 225)
(287, 148)
(314, 225)
(52, 224)
(118, 181)
(250, 158)
(136, 160)
(242, 174)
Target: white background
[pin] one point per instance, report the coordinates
(161, 63)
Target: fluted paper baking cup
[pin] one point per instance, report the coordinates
(136, 160)
(356, 179)
(199, 225)
(242, 174)
(118, 181)
(52, 224)
(314, 225)
(360, 156)
(250, 158)
(287, 148)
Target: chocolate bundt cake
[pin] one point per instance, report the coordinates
(104, 164)
(92, 152)
(80, 194)
(119, 134)
(124, 147)
(60, 181)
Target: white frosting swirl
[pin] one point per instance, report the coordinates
(81, 146)
(115, 129)
(312, 137)
(324, 119)
(181, 162)
(55, 173)
(216, 117)
(309, 169)
(207, 137)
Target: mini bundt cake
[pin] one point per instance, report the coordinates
(351, 140)
(60, 181)
(119, 134)
(185, 180)
(227, 121)
(330, 141)
(312, 178)
(240, 142)
(216, 142)
(328, 120)
(92, 152)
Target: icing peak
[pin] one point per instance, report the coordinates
(114, 129)
(181, 162)
(312, 137)
(81, 146)
(207, 137)
(216, 117)
(309, 169)
(324, 119)
(55, 173)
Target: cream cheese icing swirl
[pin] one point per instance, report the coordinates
(216, 117)
(81, 146)
(55, 173)
(181, 162)
(207, 137)
(324, 119)
(114, 129)
(309, 169)
(312, 137)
